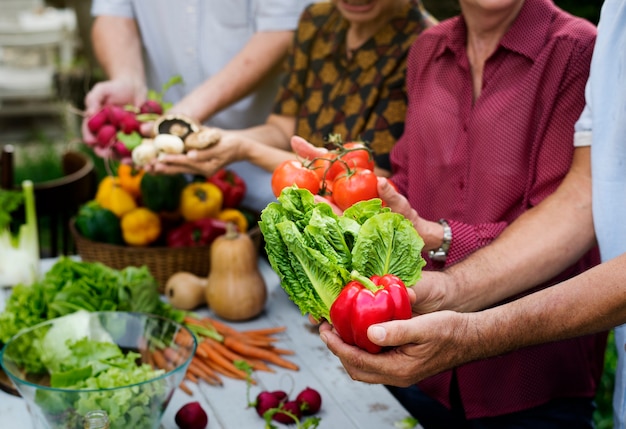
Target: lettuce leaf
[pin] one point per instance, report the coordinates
(388, 243)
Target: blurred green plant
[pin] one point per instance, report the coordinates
(39, 161)
(603, 416)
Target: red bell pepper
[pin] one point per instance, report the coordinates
(200, 232)
(232, 186)
(364, 302)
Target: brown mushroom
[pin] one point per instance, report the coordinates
(202, 139)
(178, 125)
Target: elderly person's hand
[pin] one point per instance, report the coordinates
(418, 348)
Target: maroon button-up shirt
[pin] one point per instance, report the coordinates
(482, 164)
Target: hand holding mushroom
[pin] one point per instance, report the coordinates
(174, 135)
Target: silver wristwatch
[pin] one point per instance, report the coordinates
(441, 254)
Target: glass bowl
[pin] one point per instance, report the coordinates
(126, 364)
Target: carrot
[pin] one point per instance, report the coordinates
(160, 360)
(221, 327)
(185, 389)
(265, 331)
(226, 371)
(221, 361)
(173, 356)
(199, 373)
(183, 338)
(282, 351)
(198, 362)
(191, 377)
(258, 353)
(232, 356)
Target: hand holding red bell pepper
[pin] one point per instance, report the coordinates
(232, 186)
(364, 302)
(196, 233)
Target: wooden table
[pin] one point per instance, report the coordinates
(345, 402)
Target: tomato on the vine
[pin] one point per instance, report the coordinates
(293, 172)
(353, 186)
(352, 155)
(323, 164)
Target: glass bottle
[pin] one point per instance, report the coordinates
(97, 419)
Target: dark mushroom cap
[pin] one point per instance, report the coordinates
(177, 125)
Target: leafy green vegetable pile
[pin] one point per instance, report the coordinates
(314, 251)
(72, 285)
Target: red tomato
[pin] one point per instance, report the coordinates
(357, 185)
(322, 165)
(292, 172)
(356, 155)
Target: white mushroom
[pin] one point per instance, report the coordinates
(144, 153)
(202, 139)
(169, 143)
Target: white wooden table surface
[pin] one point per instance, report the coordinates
(345, 402)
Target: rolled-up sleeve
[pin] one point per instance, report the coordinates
(112, 7)
(584, 125)
(279, 15)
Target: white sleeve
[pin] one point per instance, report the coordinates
(584, 126)
(112, 7)
(278, 15)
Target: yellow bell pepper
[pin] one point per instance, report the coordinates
(140, 227)
(130, 179)
(236, 217)
(110, 195)
(200, 200)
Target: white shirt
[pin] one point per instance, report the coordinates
(605, 115)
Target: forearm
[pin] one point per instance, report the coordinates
(537, 246)
(117, 47)
(260, 58)
(591, 302)
(265, 145)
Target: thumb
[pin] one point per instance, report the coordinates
(393, 333)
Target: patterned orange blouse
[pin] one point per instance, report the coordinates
(360, 98)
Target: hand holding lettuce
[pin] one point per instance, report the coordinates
(316, 253)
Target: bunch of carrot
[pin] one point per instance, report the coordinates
(221, 349)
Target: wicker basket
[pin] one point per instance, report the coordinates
(161, 261)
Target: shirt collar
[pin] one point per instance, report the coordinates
(535, 16)
(337, 31)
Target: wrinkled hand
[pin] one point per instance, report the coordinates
(203, 162)
(118, 92)
(420, 347)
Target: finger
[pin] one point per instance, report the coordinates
(304, 149)
(146, 129)
(94, 100)
(321, 199)
(88, 137)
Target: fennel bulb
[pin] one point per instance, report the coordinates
(19, 253)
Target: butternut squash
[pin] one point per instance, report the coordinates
(235, 288)
(185, 290)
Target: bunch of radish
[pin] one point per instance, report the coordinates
(117, 128)
(276, 405)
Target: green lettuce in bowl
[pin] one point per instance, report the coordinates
(83, 362)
